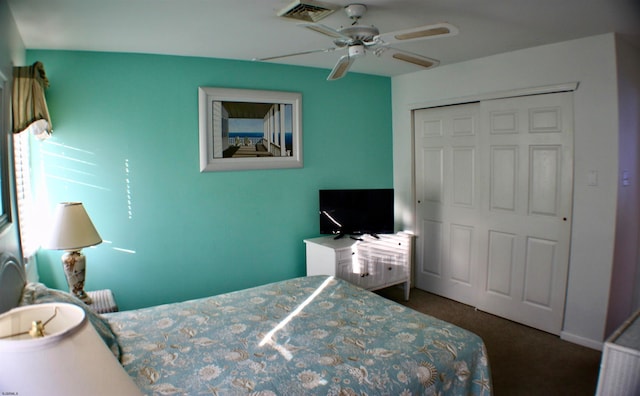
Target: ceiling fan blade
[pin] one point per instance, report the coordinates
(419, 33)
(341, 68)
(324, 29)
(410, 57)
(295, 54)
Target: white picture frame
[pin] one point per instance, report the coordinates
(243, 129)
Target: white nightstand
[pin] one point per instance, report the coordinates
(103, 301)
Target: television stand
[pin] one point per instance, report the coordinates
(369, 262)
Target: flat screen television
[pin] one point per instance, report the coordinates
(356, 211)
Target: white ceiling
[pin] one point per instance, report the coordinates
(247, 29)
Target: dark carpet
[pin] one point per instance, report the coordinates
(523, 360)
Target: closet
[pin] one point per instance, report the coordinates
(493, 186)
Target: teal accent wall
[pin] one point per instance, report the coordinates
(125, 144)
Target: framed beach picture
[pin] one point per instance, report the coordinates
(243, 129)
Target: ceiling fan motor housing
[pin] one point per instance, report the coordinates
(357, 35)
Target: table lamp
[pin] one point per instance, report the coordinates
(52, 349)
(73, 230)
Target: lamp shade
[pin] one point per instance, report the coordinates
(71, 229)
(70, 359)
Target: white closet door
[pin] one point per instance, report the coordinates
(448, 207)
(525, 260)
(498, 237)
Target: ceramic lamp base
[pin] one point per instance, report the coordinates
(74, 264)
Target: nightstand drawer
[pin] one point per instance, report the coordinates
(103, 301)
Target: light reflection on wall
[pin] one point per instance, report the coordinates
(118, 249)
(128, 187)
(405, 214)
(80, 167)
(78, 162)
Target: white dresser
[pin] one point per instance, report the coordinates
(369, 262)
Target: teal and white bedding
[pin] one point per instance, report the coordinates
(306, 336)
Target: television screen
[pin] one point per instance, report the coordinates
(355, 212)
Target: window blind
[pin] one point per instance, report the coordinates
(24, 194)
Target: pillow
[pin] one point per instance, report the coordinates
(38, 293)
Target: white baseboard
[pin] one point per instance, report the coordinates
(586, 342)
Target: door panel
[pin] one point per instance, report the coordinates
(431, 250)
(544, 176)
(460, 255)
(433, 177)
(537, 131)
(463, 176)
(504, 171)
(447, 200)
(501, 254)
(539, 270)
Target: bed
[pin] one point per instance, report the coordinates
(306, 336)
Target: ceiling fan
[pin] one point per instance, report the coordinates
(359, 39)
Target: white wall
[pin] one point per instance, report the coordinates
(626, 275)
(592, 63)
(12, 51)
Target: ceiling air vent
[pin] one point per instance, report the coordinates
(307, 10)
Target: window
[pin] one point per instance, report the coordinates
(24, 194)
(5, 211)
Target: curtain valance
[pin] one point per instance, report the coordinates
(29, 105)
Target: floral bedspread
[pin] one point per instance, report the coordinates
(306, 336)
